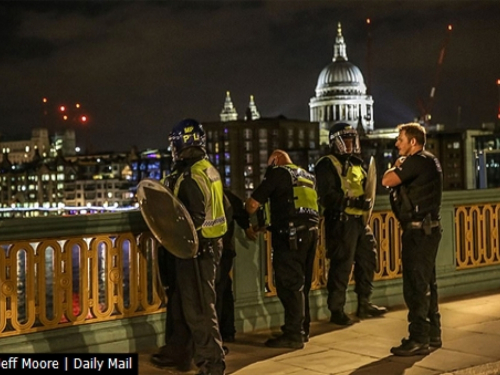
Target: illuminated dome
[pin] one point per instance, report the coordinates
(340, 76)
(341, 94)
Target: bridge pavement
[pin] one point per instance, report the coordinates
(471, 346)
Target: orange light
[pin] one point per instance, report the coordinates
(77, 105)
(498, 81)
(368, 21)
(62, 108)
(450, 27)
(44, 100)
(65, 117)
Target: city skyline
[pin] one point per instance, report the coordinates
(139, 67)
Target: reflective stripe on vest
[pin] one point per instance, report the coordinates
(305, 197)
(304, 190)
(208, 180)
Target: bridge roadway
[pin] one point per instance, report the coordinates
(471, 345)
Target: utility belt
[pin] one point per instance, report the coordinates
(342, 216)
(292, 231)
(427, 225)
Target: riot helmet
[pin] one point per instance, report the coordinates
(344, 139)
(185, 134)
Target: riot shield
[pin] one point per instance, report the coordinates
(370, 189)
(167, 218)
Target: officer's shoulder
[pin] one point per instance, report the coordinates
(423, 156)
(324, 159)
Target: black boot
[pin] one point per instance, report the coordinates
(340, 318)
(409, 348)
(366, 309)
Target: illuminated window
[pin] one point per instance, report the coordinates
(263, 157)
(248, 171)
(289, 133)
(249, 183)
(302, 137)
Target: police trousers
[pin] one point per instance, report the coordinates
(349, 242)
(293, 275)
(225, 296)
(194, 331)
(419, 282)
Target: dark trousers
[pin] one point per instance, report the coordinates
(419, 283)
(293, 274)
(225, 296)
(349, 242)
(192, 328)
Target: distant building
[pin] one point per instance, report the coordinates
(151, 163)
(239, 149)
(40, 144)
(341, 94)
(24, 150)
(460, 153)
(38, 184)
(103, 180)
(59, 185)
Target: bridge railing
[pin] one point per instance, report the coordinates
(57, 272)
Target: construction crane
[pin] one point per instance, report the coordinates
(426, 106)
(369, 56)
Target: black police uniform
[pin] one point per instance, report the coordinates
(416, 203)
(348, 239)
(293, 265)
(192, 331)
(224, 285)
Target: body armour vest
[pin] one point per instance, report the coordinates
(305, 198)
(351, 184)
(208, 180)
(414, 202)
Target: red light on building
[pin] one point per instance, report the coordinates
(62, 108)
(83, 118)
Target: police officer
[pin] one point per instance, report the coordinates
(235, 213)
(195, 333)
(416, 184)
(341, 179)
(294, 218)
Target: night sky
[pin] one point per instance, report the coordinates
(137, 67)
